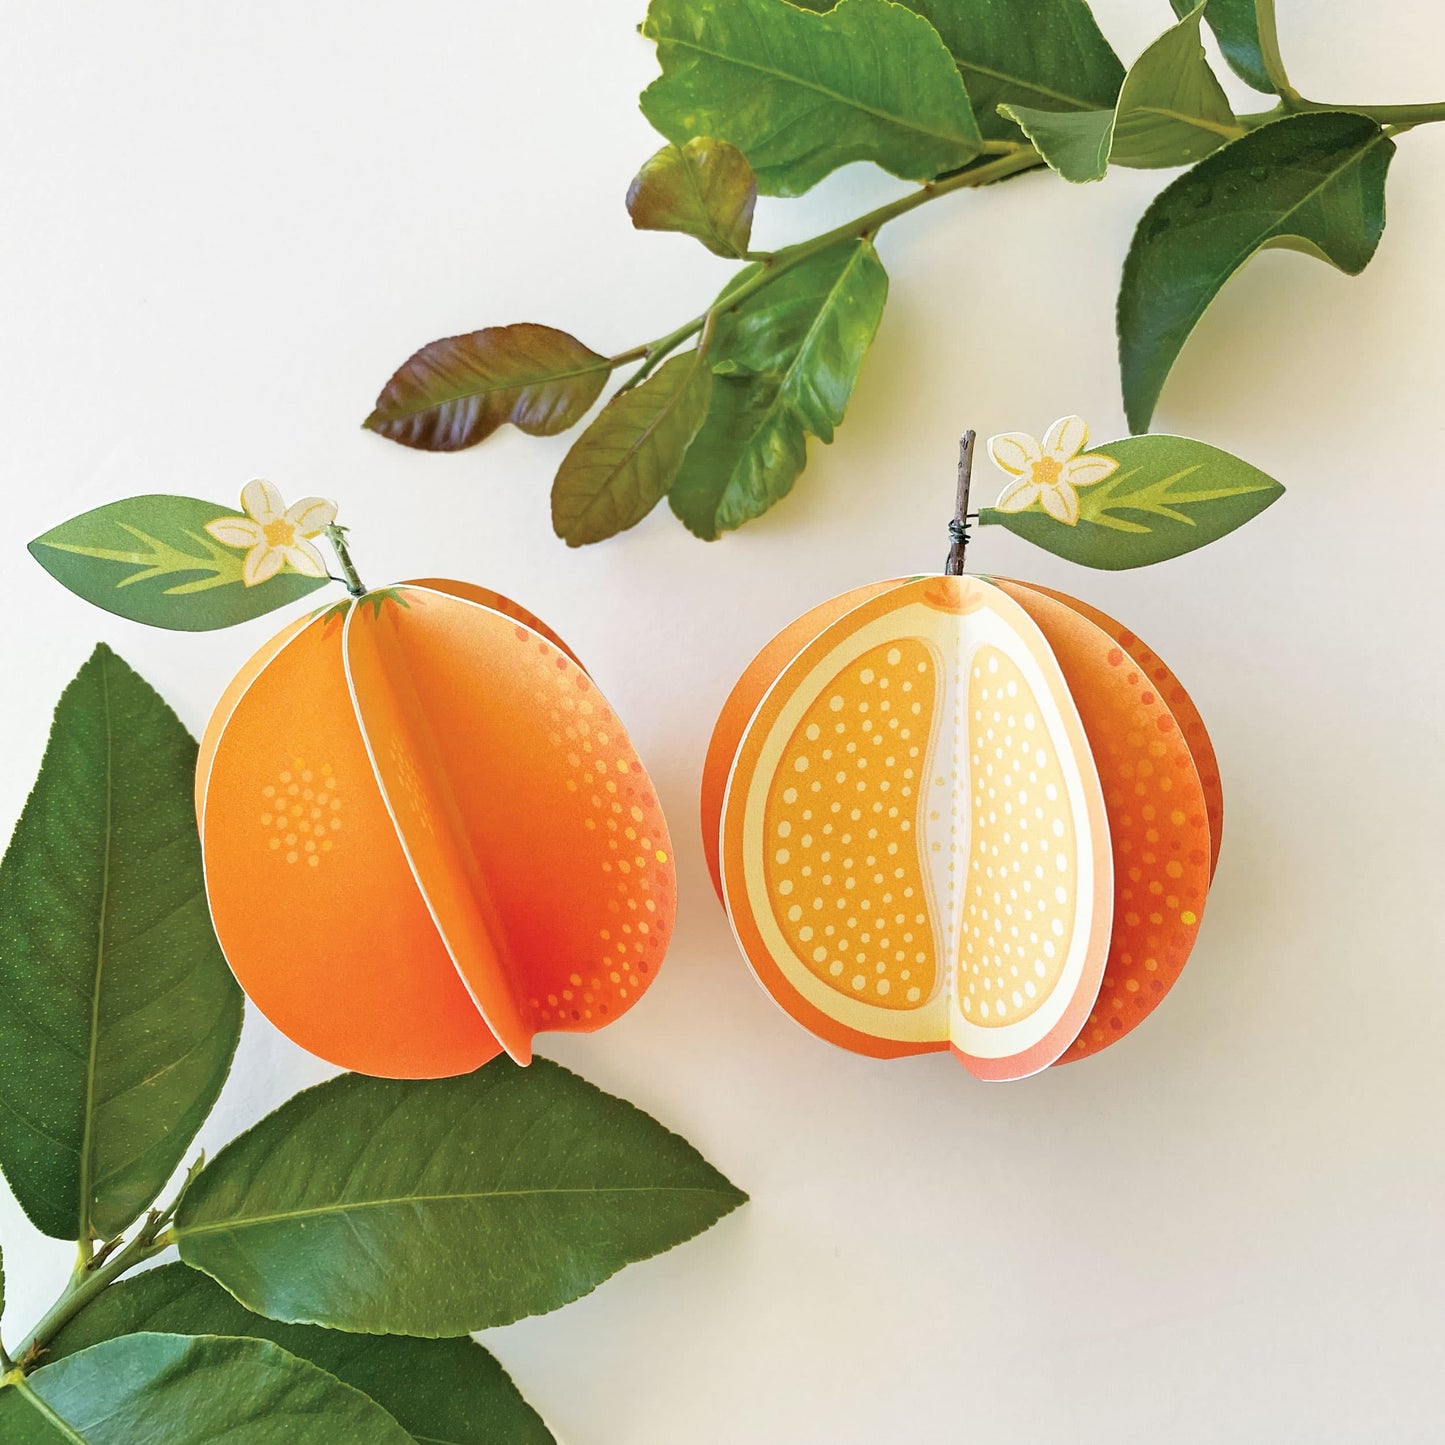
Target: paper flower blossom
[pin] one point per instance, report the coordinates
(1048, 472)
(275, 534)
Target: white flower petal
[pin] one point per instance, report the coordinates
(1013, 452)
(262, 563)
(1018, 496)
(305, 559)
(263, 502)
(236, 531)
(311, 514)
(1066, 438)
(1061, 503)
(1085, 471)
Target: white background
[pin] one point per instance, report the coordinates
(223, 226)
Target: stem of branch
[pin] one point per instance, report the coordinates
(958, 527)
(336, 535)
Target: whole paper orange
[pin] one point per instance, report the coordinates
(962, 813)
(427, 837)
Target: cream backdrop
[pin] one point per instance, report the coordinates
(224, 226)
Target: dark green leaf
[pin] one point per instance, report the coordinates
(118, 1015)
(620, 468)
(788, 360)
(1312, 182)
(705, 189)
(1237, 31)
(151, 560)
(456, 392)
(442, 1392)
(1171, 112)
(1044, 54)
(440, 1207)
(153, 1389)
(1168, 496)
(802, 93)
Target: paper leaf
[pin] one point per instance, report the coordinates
(456, 392)
(620, 468)
(788, 362)
(801, 93)
(445, 1392)
(1168, 496)
(170, 1390)
(442, 1207)
(1311, 182)
(1171, 112)
(151, 560)
(1054, 58)
(705, 189)
(118, 1016)
(1237, 31)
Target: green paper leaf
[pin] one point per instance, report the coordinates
(1313, 183)
(150, 559)
(1171, 112)
(1168, 496)
(620, 468)
(154, 1389)
(445, 1206)
(787, 363)
(705, 189)
(1237, 31)
(442, 1392)
(118, 1015)
(802, 93)
(456, 392)
(1044, 54)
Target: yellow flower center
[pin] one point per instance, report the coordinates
(280, 533)
(1046, 471)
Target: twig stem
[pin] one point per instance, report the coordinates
(958, 527)
(336, 535)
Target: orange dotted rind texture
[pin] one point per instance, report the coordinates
(949, 813)
(427, 836)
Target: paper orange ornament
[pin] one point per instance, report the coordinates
(967, 813)
(427, 837)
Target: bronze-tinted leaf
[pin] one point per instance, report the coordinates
(456, 392)
(622, 465)
(705, 189)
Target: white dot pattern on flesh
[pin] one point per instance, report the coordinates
(1019, 899)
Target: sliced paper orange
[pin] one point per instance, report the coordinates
(937, 805)
(428, 837)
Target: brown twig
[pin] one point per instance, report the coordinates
(958, 527)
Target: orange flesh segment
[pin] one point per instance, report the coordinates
(548, 861)
(742, 702)
(313, 902)
(843, 869)
(1158, 818)
(1019, 893)
(1186, 714)
(941, 626)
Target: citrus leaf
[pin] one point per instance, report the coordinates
(1310, 182)
(171, 1390)
(622, 465)
(1171, 112)
(788, 361)
(1236, 29)
(118, 1015)
(442, 1392)
(802, 93)
(1045, 54)
(705, 189)
(456, 392)
(445, 1206)
(1168, 496)
(150, 559)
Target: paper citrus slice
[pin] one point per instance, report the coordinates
(949, 809)
(427, 836)
(914, 848)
